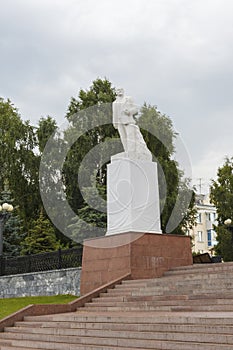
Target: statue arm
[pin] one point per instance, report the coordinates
(131, 111)
(115, 118)
(131, 108)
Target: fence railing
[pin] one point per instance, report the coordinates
(60, 259)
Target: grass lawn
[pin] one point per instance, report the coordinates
(8, 306)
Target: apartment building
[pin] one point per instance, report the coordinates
(203, 234)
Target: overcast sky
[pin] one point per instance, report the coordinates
(176, 54)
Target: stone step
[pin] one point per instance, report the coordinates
(223, 285)
(177, 291)
(9, 347)
(189, 289)
(138, 318)
(155, 345)
(119, 326)
(226, 278)
(192, 274)
(169, 294)
(116, 344)
(71, 347)
(202, 266)
(153, 302)
(109, 337)
(115, 292)
(219, 280)
(146, 307)
(201, 269)
(212, 273)
(22, 345)
(139, 298)
(188, 280)
(204, 296)
(138, 281)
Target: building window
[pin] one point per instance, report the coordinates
(199, 218)
(211, 216)
(214, 237)
(199, 236)
(209, 238)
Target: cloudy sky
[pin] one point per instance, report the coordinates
(176, 54)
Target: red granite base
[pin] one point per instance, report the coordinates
(145, 255)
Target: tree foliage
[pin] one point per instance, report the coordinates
(222, 191)
(46, 127)
(18, 161)
(101, 91)
(88, 215)
(41, 237)
(83, 113)
(47, 130)
(22, 145)
(222, 197)
(13, 232)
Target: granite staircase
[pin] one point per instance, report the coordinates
(189, 308)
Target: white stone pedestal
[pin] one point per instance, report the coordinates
(132, 196)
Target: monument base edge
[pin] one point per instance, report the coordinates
(118, 232)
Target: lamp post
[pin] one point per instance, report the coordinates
(228, 223)
(5, 212)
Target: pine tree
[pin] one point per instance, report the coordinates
(41, 237)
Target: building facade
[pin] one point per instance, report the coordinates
(203, 234)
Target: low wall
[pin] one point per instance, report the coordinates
(64, 281)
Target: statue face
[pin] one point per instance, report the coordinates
(120, 92)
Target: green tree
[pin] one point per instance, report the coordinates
(41, 237)
(46, 128)
(82, 114)
(101, 91)
(22, 146)
(222, 197)
(13, 233)
(18, 161)
(96, 218)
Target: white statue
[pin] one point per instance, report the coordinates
(124, 111)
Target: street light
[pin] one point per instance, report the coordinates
(5, 212)
(228, 223)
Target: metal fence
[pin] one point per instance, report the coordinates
(60, 259)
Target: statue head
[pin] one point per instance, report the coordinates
(120, 92)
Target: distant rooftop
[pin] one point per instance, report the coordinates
(203, 199)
